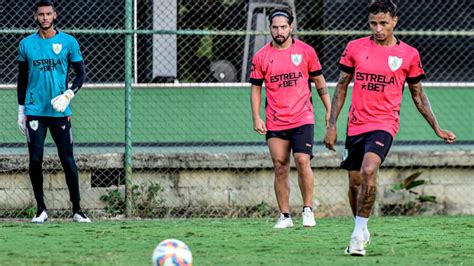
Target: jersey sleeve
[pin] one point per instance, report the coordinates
(21, 53)
(256, 73)
(346, 63)
(415, 72)
(75, 54)
(314, 66)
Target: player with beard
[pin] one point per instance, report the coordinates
(287, 66)
(44, 59)
(380, 65)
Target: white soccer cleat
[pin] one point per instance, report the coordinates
(80, 217)
(356, 247)
(40, 217)
(366, 238)
(308, 217)
(284, 222)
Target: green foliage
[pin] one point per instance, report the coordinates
(114, 202)
(408, 182)
(422, 198)
(147, 201)
(26, 212)
(261, 210)
(30, 211)
(411, 202)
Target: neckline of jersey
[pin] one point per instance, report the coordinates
(39, 36)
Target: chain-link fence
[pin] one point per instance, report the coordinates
(194, 151)
(442, 31)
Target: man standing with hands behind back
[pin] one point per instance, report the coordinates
(287, 66)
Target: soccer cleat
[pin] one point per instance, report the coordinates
(308, 217)
(366, 242)
(283, 222)
(80, 217)
(356, 247)
(366, 238)
(40, 217)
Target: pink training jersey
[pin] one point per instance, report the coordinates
(379, 76)
(286, 74)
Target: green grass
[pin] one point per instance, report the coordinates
(213, 114)
(395, 240)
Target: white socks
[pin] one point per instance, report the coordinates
(360, 229)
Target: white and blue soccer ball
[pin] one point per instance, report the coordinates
(172, 252)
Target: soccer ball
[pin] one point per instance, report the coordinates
(172, 252)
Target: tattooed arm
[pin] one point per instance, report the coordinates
(323, 93)
(338, 100)
(422, 103)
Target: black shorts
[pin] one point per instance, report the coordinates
(378, 142)
(59, 127)
(301, 138)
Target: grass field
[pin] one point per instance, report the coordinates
(221, 115)
(395, 240)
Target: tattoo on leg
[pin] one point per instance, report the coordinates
(365, 200)
(322, 91)
(353, 191)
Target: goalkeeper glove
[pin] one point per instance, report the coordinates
(21, 119)
(61, 102)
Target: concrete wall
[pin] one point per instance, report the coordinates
(245, 179)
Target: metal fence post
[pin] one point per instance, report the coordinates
(128, 107)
